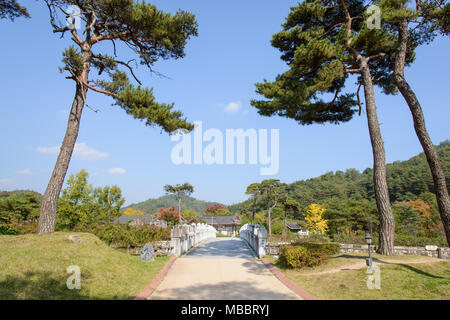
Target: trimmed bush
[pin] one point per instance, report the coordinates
(330, 248)
(126, 236)
(300, 256)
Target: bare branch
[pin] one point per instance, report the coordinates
(108, 93)
(378, 55)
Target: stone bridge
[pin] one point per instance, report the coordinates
(220, 269)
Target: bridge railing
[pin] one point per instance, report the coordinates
(256, 237)
(184, 237)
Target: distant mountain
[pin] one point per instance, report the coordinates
(407, 180)
(152, 206)
(19, 194)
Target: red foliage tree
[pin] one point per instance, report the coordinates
(169, 215)
(212, 209)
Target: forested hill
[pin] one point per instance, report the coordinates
(187, 203)
(407, 180)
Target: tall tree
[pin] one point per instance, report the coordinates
(150, 33)
(290, 206)
(426, 19)
(11, 9)
(254, 190)
(324, 42)
(179, 190)
(271, 190)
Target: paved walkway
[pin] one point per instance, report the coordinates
(221, 269)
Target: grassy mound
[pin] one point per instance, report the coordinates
(34, 267)
(402, 278)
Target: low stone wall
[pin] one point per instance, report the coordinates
(273, 249)
(184, 237)
(256, 236)
(162, 249)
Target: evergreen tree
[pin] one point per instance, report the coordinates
(11, 9)
(254, 190)
(426, 19)
(179, 190)
(324, 42)
(150, 33)
(271, 190)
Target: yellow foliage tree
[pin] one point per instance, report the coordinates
(313, 218)
(133, 212)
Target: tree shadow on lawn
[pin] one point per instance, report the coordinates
(42, 286)
(411, 268)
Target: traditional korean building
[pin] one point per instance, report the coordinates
(225, 224)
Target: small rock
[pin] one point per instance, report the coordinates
(74, 238)
(148, 252)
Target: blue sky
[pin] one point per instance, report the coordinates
(232, 53)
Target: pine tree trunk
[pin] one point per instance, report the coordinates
(47, 214)
(440, 186)
(269, 224)
(47, 217)
(387, 224)
(179, 209)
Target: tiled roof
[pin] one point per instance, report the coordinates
(146, 218)
(221, 219)
(293, 226)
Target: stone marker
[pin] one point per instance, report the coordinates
(74, 238)
(148, 252)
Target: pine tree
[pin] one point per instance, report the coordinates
(426, 19)
(324, 42)
(150, 34)
(179, 190)
(11, 9)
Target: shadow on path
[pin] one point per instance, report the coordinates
(232, 290)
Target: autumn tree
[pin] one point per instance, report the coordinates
(314, 218)
(169, 215)
(212, 209)
(133, 212)
(324, 42)
(417, 25)
(11, 9)
(149, 33)
(179, 190)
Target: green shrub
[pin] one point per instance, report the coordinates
(413, 241)
(127, 236)
(330, 248)
(299, 256)
(7, 230)
(354, 238)
(26, 228)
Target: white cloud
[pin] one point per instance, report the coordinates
(233, 107)
(48, 150)
(6, 182)
(87, 153)
(81, 150)
(24, 172)
(117, 171)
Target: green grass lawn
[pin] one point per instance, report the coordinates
(34, 267)
(400, 279)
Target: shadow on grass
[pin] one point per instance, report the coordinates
(42, 286)
(409, 267)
